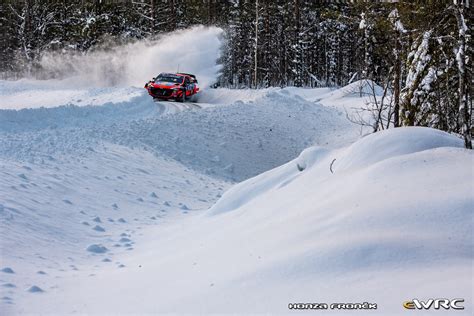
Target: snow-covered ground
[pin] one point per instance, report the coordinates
(108, 205)
(242, 202)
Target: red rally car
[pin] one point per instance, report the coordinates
(168, 86)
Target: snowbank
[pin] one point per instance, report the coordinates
(242, 193)
(234, 142)
(385, 230)
(396, 142)
(354, 97)
(359, 88)
(27, 93)
(364, 153)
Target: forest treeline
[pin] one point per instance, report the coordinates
(417, 51)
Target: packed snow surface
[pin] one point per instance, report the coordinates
(243, 202)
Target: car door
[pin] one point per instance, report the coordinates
(189, 86)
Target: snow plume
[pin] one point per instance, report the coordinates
(194, 50)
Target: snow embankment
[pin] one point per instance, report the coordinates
(234, 142)
(353, 97)
(386, 228)
(31, 94)
(396, 210)
(362, 154)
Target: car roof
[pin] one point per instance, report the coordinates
(180, 74)
(189, 75)
(171, 75)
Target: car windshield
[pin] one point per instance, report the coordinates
(169, 78)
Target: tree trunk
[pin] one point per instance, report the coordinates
(256, 46)
(396, 83)
(152, 16)
(297, 52)
(464, 112)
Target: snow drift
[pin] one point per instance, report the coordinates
(383, 230)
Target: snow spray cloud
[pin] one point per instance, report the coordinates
(194, 50)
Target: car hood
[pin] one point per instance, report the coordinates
(165, 85)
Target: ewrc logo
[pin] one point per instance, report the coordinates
(435, 303)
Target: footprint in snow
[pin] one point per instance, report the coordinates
(184, 207)
(97, 219)
(153, 195)
(106, 260)
(96, 248)
(98, 228)
(115, 206)
(121, 220)
(35, 289)
(41, 272)
(166, 203)
(9, 285)
(85, 223)
(140, 200)
(23, 176)
(67, 202)
(8, 270)
(125, 239)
